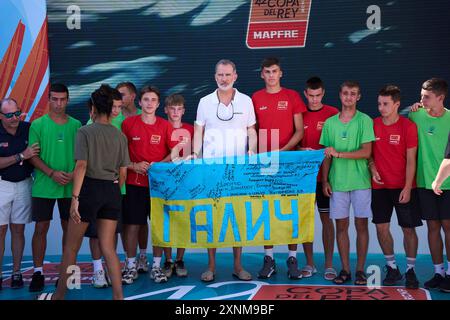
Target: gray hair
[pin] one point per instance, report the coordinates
(226, 62)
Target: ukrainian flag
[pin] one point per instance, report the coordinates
(265, 199)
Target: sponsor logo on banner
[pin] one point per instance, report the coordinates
(278, 23)
(306, 292)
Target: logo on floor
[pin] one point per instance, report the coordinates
(313, 292)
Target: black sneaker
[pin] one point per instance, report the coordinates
(16, 281)
(434, 282)
(269, 268)
(411, 281)
(392, 276)
(293, 271)
(445, 284)
(37, 282)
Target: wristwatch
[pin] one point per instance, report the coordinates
(22, 157)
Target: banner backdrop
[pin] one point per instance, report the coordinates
(241, 201)
(24, 66)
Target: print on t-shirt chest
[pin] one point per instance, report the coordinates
(392, 138)
(148, 138)
(280, 105)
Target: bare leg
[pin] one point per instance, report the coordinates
(343, 242)
(362, 242)
(328, 235)
(75, 234)
(17, 244)
(106, 237)
(39, 242)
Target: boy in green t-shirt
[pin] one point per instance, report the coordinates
(433, 126)
(348, 138)
(55, 133)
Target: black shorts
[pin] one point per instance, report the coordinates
(385, 200)
(99, 199)
(136, 205)
(42, 208)
(91, 231)
(434, 207)
(323, 202)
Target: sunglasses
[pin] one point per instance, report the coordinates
(9, 115)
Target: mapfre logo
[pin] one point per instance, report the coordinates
(155, 139)
(394, 139)
(282, 105)
(278, 24)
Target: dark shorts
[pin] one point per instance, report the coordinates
(99, 199)
(136, 205)
(434, 207)
(42, 208)
(323, 202)
(91, 231)
(385, 200)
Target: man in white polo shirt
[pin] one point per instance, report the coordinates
(225, 120)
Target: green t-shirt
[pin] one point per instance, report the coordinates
(348, 174)
(57, 144)
(433, 137)
(117, 122)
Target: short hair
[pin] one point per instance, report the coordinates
(314, 83)
(392, 91)
(270, 61)
(131, 87)
(102, 100)
(350, 84)
(437, 86)
(175, 99)
(116, 94)
(147, 89)
(226, 62)
(58, 87)
(7, 100)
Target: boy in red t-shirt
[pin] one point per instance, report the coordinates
(393, 168)
(313, 121)
(278, 110)
(181, 143)
(148, 142)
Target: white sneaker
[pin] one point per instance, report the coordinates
(142, 264)
(99, 279)
(157, 275)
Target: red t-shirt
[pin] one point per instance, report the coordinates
(186, 133)
(389, 151)
(276, 111)
(313, 121)
(146, 142)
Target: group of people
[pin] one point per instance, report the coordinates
(97, 174)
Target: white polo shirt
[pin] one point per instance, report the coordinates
(225, 138)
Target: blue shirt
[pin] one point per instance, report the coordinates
(11, 145)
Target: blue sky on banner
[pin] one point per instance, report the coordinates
(296, 174)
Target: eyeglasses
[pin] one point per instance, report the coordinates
(9, 115)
